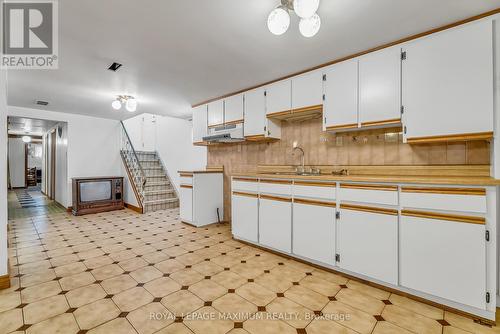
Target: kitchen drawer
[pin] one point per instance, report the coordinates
(446, 199)
(245, 184)
(314, 190)
(278, 187)
(369, 193)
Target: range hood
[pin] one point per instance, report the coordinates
(225, 134)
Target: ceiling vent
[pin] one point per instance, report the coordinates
(41, 103)
(115, 66)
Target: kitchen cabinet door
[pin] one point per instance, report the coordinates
(216, 113)
(447, 86)
(255, 112)
(245, 215)
(186, 203)
(380, 86)
(199, 123)
(307, 90)
(314, 232)
(368, 244)
(279, 97)
(233, 108)
(444, 258)
(340, 108)
(275, 223)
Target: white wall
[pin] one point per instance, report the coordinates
(93, 145)
(3, 170)
(16, 163)
(35, 155)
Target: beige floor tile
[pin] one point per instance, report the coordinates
(182, 302)
(466, 324)
(207, 290)
(298, 315)
(226, 261)
(355, 319)
(207, 268)
(319, 326)
(360, 301)
(256, 294)
(133, 264)
(273, 282)
(146, 274)
(411, 321)
(186, 276)
(45, 309)
(122, 256)
(417, 307)
(330, 277)
(97, 262)
(39, 277)
(9, 300)
(266, 324)
(368, 290)
(108, 271)
(247, 270)
(85, 295)
(306, 297)
(162, 286)
(229, 279)
(96, 313)
(175, 328)
(150, 318)
(385, 327)
(233, 303)
(118, 284)
(320, 286)
(131, 299)
(11, 320)
(454, 330)
(70, 269)
(170, 266)
(199, 324)
(40, 291)
(76, 281)
(175, 251)
(63, 323)
(119, 325)
(63, 260)
(189, 258)
(288, 273)
(155, 257)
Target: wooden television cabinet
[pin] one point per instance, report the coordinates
(97, 194)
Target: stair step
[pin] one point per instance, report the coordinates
(160, 201)
(159, 192)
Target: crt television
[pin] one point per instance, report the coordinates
(97, 194)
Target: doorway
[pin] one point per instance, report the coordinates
(52, 187)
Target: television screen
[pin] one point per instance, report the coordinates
(95, 191)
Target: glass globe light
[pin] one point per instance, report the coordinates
(26, 139)
(305, 8)
(310, 27)
(131, 105)
(116, 105)
(278, 21)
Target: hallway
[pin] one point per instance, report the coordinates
(30, 202)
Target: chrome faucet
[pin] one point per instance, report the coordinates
(296, 147)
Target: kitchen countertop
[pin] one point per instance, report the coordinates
(448, 180)
(205, 171)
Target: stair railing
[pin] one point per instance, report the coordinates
(133, 163)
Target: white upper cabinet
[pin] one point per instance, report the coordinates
(279, 97)
(199, 123)
(380, 86)
(447, 83)
(233, 108)
(216, 113)
(255, 112)
(340, 108)
(307, 90)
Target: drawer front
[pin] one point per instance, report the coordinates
(277, 187)
(312, 190)
(186, 180)
(377, 194)
(447, 199)
(241, 184)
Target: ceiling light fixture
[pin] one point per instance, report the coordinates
(26, 139)
(278, 20)
(129, 101)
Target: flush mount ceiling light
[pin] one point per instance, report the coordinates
(26, 139)
(129, 101)
(278, 20)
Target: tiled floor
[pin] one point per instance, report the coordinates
(38, 203)
(121, 272)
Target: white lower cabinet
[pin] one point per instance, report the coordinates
(314, 231)
(186, 203)
(445, 259)
(368, 244)
(245, 215)
(275, 223)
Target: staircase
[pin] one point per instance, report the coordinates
(148, 176)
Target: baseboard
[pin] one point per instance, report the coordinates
(69, 209)
(134, 208)
(5, 279)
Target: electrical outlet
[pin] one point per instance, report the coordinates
(323, 139)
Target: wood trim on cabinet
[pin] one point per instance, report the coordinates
(446, 191)
(368, 186)
(279, 114)
(315, 184)
(184, 174)
(342, 127)
(276, 198)
(354, 55)
(201, 143)
(444, 216)
(238, 121)
(450, 138)
(314, 202)
(394, 121)
(276, 181)
(384, 211)
(5, 281)
(239, 193)
(245, 179)
(309, 108)
(215, 125)
(186, 186)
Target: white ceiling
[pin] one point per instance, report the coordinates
(36, 127)
(180, 52)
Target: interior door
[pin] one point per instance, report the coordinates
(53, 138)
(148, 133)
